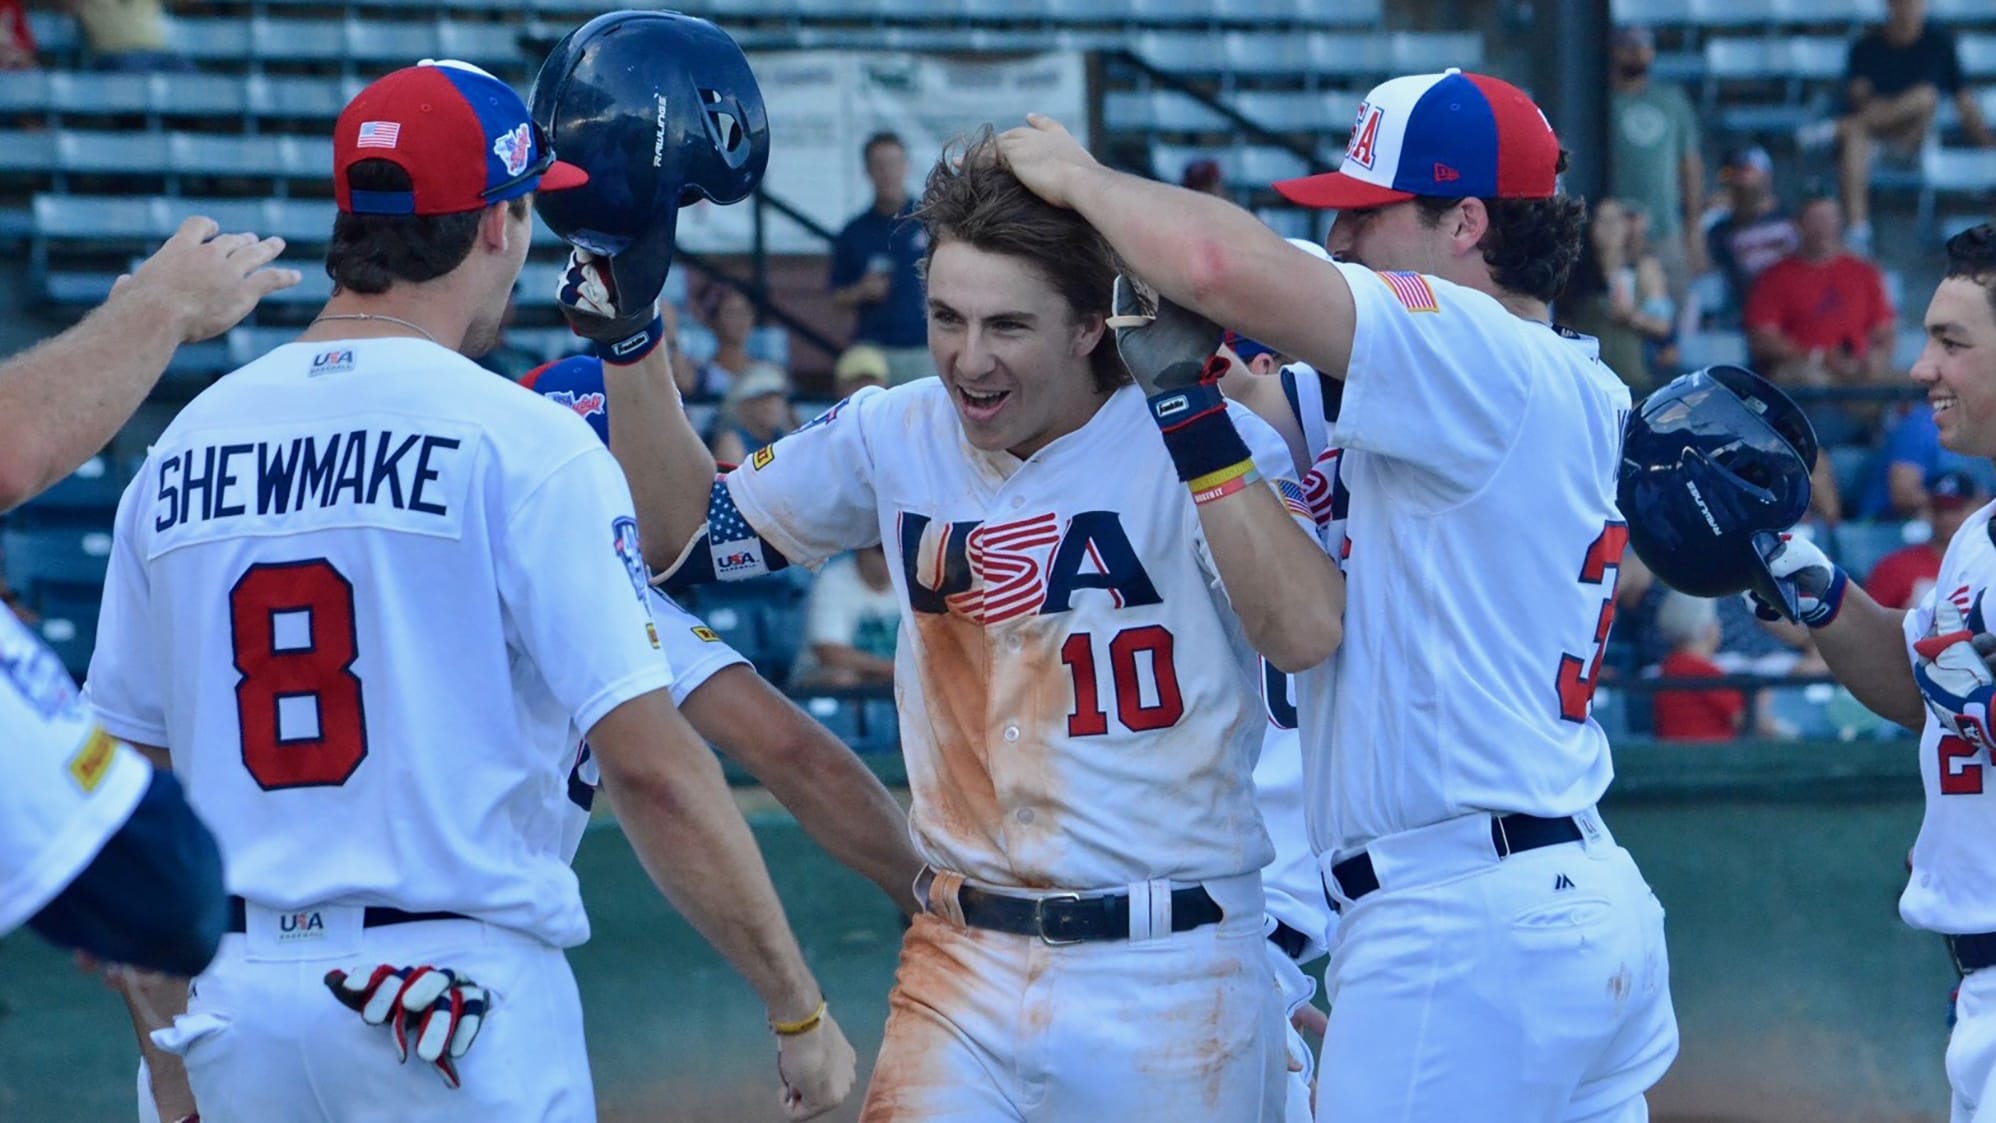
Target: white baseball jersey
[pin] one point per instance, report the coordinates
(361, 590)
(1480, 453)
(65, 785)
(695, 653)
(1953, 886)
(1079, 707)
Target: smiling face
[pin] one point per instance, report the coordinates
(1012, 353)
(1958, 366)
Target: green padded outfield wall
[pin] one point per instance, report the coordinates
(1801, 995)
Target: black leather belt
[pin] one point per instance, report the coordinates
(373, 916)
(1509, 834)
(1070, 918)
(1292, 942)
(1973, 953)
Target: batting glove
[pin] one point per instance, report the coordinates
(1818, 583)
(442, 1010)
(1166, 347)
(588, 298)
(1953, 671)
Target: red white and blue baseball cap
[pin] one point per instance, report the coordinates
(464, 137)
(575, 382)
(1442, 136)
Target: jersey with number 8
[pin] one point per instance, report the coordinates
(360, 591)
(1445, 701)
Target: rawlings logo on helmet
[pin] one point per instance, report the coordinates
(515, 149)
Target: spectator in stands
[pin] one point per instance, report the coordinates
(861, 365)
(755, 413)
(1755, 231)
(1895, 79)
(1820, 317)
(1902, 577)
(1204, 175)
(685, 372)
(126, 35)
(17, 38)
(1690, 627)
(730, 315)
(850, 623)
(1655, 165)
(876, 266)
(1619, 299)
(1912, 455)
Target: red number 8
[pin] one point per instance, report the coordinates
(321, 670)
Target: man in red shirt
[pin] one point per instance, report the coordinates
(1902, 577)
(1820, 317)
(1691, 626)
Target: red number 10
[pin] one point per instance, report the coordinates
(1088, 718)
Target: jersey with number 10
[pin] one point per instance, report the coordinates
(1480, 452)
(1079, 706)
(361, 590)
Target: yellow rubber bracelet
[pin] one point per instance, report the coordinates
(1220, 476)
(793, 1029)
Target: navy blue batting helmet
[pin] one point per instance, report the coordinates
(1715, 465)
(661, 110)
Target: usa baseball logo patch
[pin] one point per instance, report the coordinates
(624, 538)
(514, 148)
(1364, 146)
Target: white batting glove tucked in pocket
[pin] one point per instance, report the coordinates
(442, 1010)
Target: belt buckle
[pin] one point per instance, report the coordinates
(1040, 918)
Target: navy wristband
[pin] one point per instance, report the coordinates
(1198, 434)
(631, 348)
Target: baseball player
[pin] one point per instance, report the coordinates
(1498, 957)
(360, 592)
(1927, 668)
(1301, 923)
(1078, 692)
(97, 851)
(835, 797)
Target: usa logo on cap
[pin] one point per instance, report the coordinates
(1450, 136)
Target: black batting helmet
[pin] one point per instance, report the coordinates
(661, 110)
(1715, 465)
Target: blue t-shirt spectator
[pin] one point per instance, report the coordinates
(892, 244)
(1915, 442)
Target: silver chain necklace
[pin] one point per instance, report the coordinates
(378, 316)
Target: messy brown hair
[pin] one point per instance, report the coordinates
(971, 196)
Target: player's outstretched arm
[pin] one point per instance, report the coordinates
(835, 797)
(1287, 591)
(664, 460)
(675, 807)
(61, 401)
(1863, 642)
(1199, 250)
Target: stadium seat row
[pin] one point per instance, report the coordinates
(1775, 13)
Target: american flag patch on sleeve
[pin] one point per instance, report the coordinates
(1292, 498)
(1411, 290)
(378, 134)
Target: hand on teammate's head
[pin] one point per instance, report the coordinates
(1045, 157)
(817, 1069)
(208, 280)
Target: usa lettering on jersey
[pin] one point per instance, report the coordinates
(363, 467)
(1001, 571)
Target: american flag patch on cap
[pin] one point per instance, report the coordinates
(378, 134)
(1411, 289)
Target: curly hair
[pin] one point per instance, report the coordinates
(369, 252)
(1971, 255)
(1532, 244)
(971, 196)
